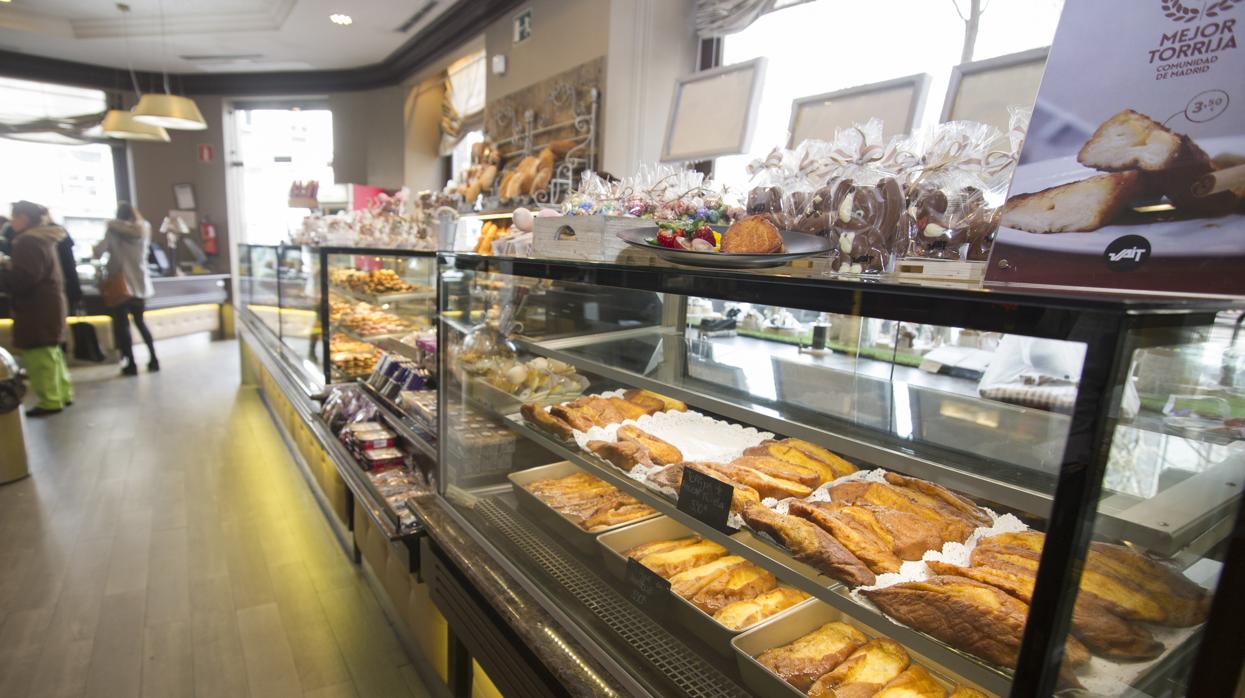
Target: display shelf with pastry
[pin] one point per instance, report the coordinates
(574, 503)
(816, 650)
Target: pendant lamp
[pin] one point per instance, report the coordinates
(168, 110)
(119, 123)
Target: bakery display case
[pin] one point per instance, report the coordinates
(733, 484)
(376, 303)
(299, 286)
(258, 283)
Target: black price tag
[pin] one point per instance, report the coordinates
(706, 498)
(647, 589)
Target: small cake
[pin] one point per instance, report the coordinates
(752, 235)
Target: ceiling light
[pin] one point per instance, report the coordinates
(169, 111)
(338, 19)
(121, 124)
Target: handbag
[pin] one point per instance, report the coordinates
(86, 342)
(113, 290)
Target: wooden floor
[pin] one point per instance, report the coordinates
(166, 545)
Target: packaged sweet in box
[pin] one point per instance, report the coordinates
(382, 459)
(372, 440)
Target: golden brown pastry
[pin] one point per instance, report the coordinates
(781, 469)
(740, 584)
(575, 487)
(864, 672)
(803, 661)
(574, 415)
(669, 563)
(659, 451)
(810, 544)
(966, 614)
(950, 528)
(908, 535)
(841, 465)
(628, 409)
(672, 476)
(942, 497)
(743, 614)
(1120, 597)
(1183, 601)
(855, 536)
(669, 404)
(752, 235)
(790, 454)
(1103, 632)
(539, 418)
(765, 485)
(689, 583)
(914, 682)
(966, 692)
(650, 403)
(623, 454)
(661, 546)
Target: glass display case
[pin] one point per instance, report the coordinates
(299, 285)
(257, 281)
(733, 485)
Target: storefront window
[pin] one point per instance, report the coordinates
(75, 181)
(823, 46)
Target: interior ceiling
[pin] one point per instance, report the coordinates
(217, 36)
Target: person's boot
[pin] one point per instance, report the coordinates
(42, 411)
(153, 365)
(129, 369)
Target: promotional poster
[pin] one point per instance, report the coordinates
(1132, 174)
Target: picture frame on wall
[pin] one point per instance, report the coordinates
(897, 102)
(713, 112)
(184, 196)
(983, 90)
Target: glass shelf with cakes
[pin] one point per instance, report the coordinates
(770, 514)
(373, 296)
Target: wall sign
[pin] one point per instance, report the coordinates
(1136, 184)
(207, 153)
(523, 26)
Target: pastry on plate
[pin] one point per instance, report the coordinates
(659, 451)
(775, 467)
(623, 454)
(744, 614)
(802, 662)
(539, 418)
(672, 476)
(864, 672)
(810, 544)
(743, 582)
(1080, 206)
(765, 485)
(752, 235)
(966, 614)
(864, 543)
(1133, 141)
(951, 526)
(644, 397)
(783, 451)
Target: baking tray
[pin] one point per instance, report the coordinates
(567, 531)
(683, 612)
(790, 625)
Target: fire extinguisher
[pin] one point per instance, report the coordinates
(207, 233)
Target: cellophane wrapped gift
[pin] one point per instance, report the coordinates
(863, 195)
(954, 193)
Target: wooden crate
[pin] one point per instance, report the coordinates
(588, 238)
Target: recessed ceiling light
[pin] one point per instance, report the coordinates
(340, 19)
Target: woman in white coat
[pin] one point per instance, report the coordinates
(126, 243)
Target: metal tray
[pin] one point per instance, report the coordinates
(683, 612)
(791, 625)
(567, 531)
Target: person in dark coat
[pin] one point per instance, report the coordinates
(33, 280)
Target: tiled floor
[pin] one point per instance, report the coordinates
(166, 545)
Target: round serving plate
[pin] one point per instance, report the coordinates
(796, 245)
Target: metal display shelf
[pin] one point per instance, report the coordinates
(369, 338)
(780, 564)
(379, 299)
(402, 422)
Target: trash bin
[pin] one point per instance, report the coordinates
(13, 464)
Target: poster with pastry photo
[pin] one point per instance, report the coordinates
(1132, 175)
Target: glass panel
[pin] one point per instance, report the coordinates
(375, 302)
(300, 308)
(1170, 496)
(264, 302)
(898, 440)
